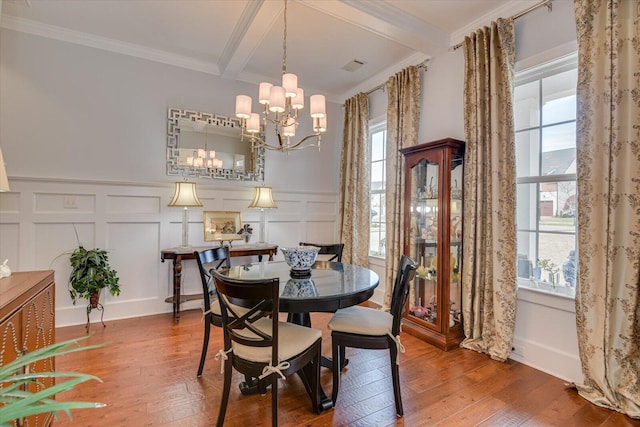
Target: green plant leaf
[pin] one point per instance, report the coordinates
(18, 403)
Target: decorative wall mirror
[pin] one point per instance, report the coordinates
(210, 146)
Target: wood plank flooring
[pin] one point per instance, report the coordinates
(149, 373)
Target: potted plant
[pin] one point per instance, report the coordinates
(90, 273)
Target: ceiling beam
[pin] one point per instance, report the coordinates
(255, 22)
(385, 20)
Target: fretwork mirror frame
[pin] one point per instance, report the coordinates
(176, 116)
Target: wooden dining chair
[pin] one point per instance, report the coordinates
(334, 249)
(370, 328)
(208, 259)
(257, 344)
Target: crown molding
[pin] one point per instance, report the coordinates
(76, 37)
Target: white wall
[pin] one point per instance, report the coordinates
(545, 335)
(89, 126)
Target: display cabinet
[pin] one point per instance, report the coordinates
(433, 238)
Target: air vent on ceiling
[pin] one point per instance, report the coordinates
(353, 65)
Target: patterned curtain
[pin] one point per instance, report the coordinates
(403, 121)
(608, 167)
(355, 181)
(489, 236)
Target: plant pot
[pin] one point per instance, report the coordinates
(94, 299)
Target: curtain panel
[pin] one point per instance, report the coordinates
(403, 123)
(489, 231)
(355, 171)
(608, 168)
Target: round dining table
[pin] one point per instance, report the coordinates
(328, 287)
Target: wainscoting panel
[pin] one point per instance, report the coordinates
(64, 203)
(9, 238)
(39, 219)
(9, 204)
(133, 205)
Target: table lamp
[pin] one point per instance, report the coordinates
(185, 195)
(4, 182)
(262, 199)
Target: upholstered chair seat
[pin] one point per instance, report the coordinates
(292, 340)
(361, 321)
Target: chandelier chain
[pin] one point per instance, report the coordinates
(284, 41)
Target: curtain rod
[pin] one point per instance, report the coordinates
(422, 65)
(547, 3)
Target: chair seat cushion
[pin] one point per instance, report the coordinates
(292, 340)
(362, 321)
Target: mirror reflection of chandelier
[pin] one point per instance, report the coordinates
(281, 106)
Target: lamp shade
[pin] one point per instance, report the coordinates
(4, 182)
(262, 198)
(185, 195)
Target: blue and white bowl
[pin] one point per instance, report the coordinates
(300, 258)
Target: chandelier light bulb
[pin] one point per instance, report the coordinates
(277, 100)
(243, 106)
(290, 84)
(253, 124)
(297, 103)
(263, 94)
(318, 107)
(289, 130)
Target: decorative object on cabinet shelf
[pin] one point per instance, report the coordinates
(19, 402)
(221, 226)
(246, 231)
(281, 105)
(456, 193)
(186, 196)
(5, 271)
(432, 193)
(262, 199)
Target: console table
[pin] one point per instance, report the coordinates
(179, 254)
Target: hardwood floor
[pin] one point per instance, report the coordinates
(149, 373)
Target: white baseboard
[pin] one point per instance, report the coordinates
(77, 315)
(547, 359)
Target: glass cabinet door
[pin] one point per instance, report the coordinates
(455, 241)
(424, 205)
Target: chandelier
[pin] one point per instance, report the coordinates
(281, 105)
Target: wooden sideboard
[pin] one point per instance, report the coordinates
(27, 322)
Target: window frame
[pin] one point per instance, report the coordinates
(538, 73)
(376, 126)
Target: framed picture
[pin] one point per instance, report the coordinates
(221, 225)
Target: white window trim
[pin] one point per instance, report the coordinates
(374, 125)
(527, 72)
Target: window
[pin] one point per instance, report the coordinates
(377, 227)
(545, 124)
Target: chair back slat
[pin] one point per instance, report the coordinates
(334, 249)
(260, 297)
(404, 277)
(217, 257)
